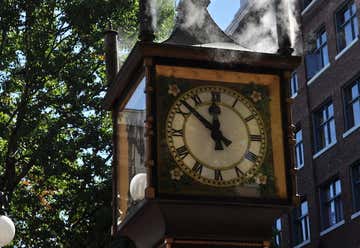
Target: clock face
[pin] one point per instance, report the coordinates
(215, 135)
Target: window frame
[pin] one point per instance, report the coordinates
(348, 104)
(298, 224)
(325, 204)
(301, 145)
(316, 134)
(320, 44)
(294, 81)
(355, 204)
(316, 58)
(340, 28)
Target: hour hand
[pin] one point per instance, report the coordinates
(216, 134)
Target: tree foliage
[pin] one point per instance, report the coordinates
(55, 139)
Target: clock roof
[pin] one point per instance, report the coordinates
(195, 41)
(194, 26)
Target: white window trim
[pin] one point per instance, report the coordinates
(308, 7)
(355, 215)
(305, 242)
(318, 74)
(316, 155)
(333, 227)
(299, 167)
(346, 48)
(351, 130)
(294, 95)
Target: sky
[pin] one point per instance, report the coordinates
(223, 11)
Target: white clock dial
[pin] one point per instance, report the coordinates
(215, 135)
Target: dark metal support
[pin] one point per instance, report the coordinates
(111, 55)
(146, 21)
(283, 27)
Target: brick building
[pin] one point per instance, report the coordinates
(326, 111)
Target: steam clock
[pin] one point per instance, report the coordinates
(204, 124)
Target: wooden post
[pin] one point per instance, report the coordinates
(149, 128)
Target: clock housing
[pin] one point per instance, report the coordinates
(188, 161)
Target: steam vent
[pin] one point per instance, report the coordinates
(202, 136)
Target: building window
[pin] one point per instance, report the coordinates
(301, 224)
(352, 104)
(299, 149)
(294, 86)
(278, 233)
(331, 205)
(355, 174)
(324, 127)
(347, 25)
(319, 57)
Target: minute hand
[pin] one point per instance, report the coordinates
(205, 122)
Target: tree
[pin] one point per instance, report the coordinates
(55, 139)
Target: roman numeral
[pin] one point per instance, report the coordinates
(197, 168)
(182, 151)
(255, 137)
(238, 172)
(249, 118)
(196, 99)
(218, 175)
(178, 133)
(235, 102)
(251, 156)
(216, 97)
(183, 113)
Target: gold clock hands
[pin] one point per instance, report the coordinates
(206, 123)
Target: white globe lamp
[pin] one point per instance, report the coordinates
(137, 187)
(7, 230)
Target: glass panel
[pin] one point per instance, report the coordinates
(332, 213)
(347, 14)
(304, 208)
(330, 110)
(356, 112)
(298, 136)
(354, 91)
(353, 8)
(332, 131)
(323, 38)
(278, 224)
(130, 147)
(348, 34)
(338, 187)
(327, 138)
(331, 192)
(313, 64)
(356, 26)
(325, 55)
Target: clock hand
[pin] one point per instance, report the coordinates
(216, 134)
(205, 122)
